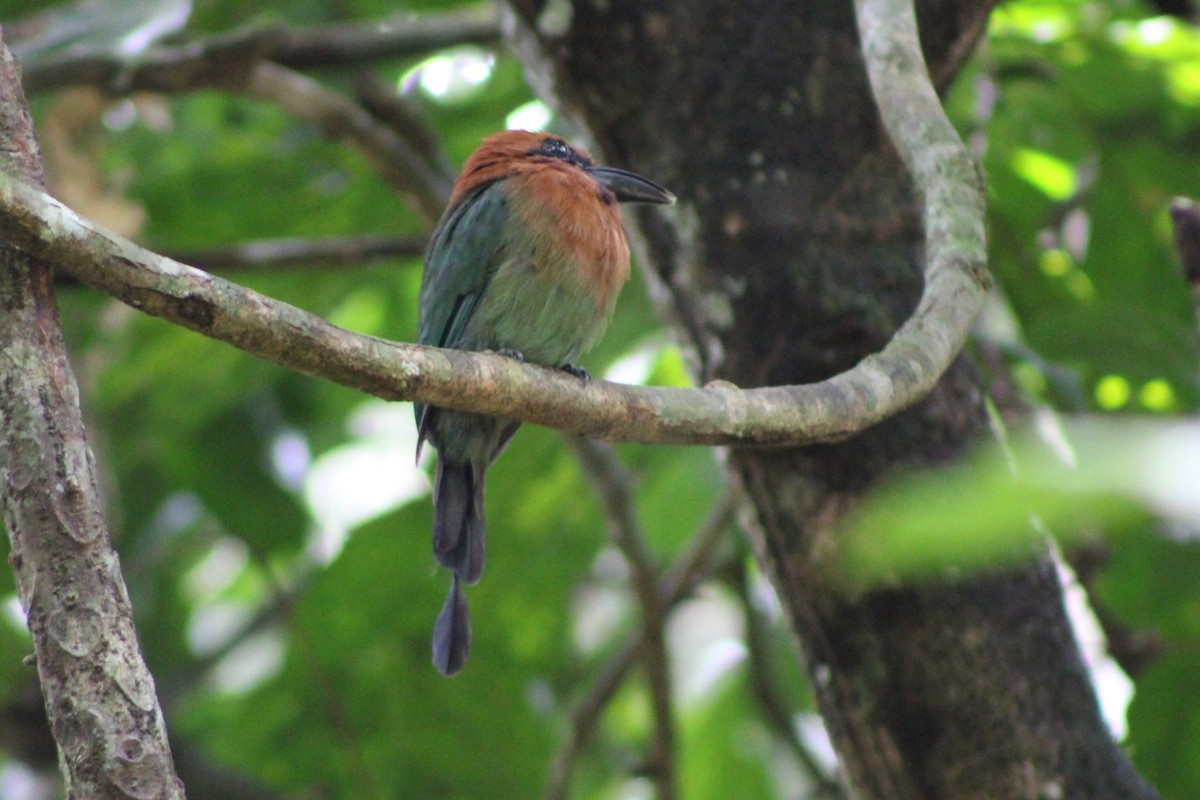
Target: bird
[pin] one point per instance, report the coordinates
(527, 261)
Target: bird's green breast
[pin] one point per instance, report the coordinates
(562, 261)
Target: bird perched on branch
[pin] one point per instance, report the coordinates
(526, 261)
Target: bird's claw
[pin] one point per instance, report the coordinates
(515, 355)
(578, 372)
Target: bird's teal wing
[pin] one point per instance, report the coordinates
(459, 264)
(462, 257)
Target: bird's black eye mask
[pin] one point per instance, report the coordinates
(552, 147)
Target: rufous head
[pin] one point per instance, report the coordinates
(509, 153)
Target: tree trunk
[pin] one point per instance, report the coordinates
(794, 252)
(99, 696)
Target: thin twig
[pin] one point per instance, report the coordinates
(278, 255)
(270, 255)
(614, 484)
(770, 696)
(342, 119)
(683, 575)
(406, 118)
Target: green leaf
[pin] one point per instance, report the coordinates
(982, 513)
(1164, 726)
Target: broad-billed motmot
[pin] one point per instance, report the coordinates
(527, 261)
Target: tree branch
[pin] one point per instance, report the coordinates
(879, 386)
(769, 695)
(270, 255)
(1185, 215)
(160, 68)
(99, 696)
(400, 36)
(342, 119)
(239, 62)
(615, 485)
(404, 116)
(947, 176)
(278, 255)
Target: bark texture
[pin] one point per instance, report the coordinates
(99, 695)
(795, 251)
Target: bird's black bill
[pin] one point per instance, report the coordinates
(630, 188)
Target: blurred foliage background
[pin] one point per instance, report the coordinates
(274, 531)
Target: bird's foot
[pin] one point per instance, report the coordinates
(515, 355)
(578, 372)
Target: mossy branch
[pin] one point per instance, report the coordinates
(719, 414)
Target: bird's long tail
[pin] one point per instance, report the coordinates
(459, 533)
(452, 632)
